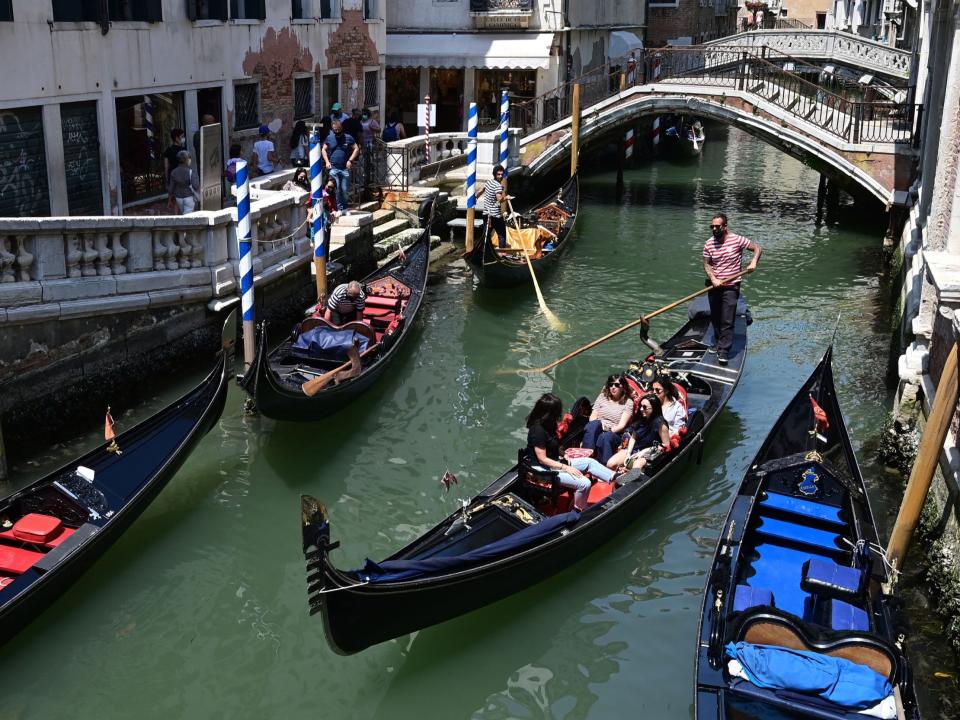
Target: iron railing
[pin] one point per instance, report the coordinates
(791, 24)
(495, 5)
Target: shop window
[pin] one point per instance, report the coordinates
(302, 97)
(144, 123)
(371, 88)
(248, 9)
(329, 9)
(519, 84)
(6, 10)
(370, 10)
(207, 10)
(246, 106)
(23, 164)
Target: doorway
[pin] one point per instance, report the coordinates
(446, 92)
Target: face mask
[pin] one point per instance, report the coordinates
(366, 117)
(718, 232)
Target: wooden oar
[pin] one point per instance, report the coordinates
(555, 322)
(638, 321)
(312, 387)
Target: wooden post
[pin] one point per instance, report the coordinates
(621, 159)
(928, 457)
(575, 129)
(623, 81)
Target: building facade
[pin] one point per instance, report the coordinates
(463, 51)
(689, 22)
(99, 84)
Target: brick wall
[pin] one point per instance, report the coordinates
(688, 19)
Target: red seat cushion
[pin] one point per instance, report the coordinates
(377, 311)
(36, 527)
(17, 560)
(4, 581)
(382, 302)
(599, 491)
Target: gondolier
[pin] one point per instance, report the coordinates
(722, 258)
(493, 196)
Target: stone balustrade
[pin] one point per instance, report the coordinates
(827, 45)
(407, 163)
(60, 267)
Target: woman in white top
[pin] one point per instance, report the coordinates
(673, 410)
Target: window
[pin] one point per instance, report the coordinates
(144, 123)
(370, 10)
(300, 9)
(23, 164)
(371, 88)
(248, 9)
(329, 9)
(246, 106)
(302, 97)
(331, 91)
(141, 10)
(105, 11)
(207, 10)
(76, 11)
(6, 10)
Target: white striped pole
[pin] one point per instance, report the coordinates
(426, 121)
(471, 173)
(628, 145)
(148, 122)
(246, 260)
(656, 120)
(504, 132)
(316, 228)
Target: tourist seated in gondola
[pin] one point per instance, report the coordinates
(345, 303)
(544, 450)
(649, 436)
(611, 414)
(674, 411)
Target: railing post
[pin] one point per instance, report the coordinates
(742, 71)
(575, 127)
(857, 119)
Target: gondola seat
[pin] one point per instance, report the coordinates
(38, 529)
(827, 578)
(17, 561)
(600, 491)
(844, 616)
(539, 485)
(385, 303)
(747, 597)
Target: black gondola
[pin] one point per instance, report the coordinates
(57, 527)
(799, 577)
(515, 532)
(394, 295)
(554, 217)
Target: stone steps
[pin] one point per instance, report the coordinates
(389, 228)
(383, 216)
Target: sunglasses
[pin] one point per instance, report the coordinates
(716, 227)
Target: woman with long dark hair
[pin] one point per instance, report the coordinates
(649, 434)
(300, 145)
(544, 450)
(673, 410)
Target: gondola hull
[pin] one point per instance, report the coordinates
(495, 272)
(125, 483)
(357, 614)
(798, 568)
(279, 400)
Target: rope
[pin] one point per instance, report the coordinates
(338, 589)
(285, 237)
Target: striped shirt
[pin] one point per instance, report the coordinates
(609, 411)
(490, 204)
(725, 256)
(339, 301)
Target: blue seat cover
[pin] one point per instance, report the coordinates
(844, 616)
(798, 533)
(803, 507)
(747, 597)
(824, 575)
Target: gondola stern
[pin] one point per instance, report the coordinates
(316, 546)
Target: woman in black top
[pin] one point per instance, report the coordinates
(544, 449)
(650, 431)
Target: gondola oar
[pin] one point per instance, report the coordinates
(555, 322)
(634, 323)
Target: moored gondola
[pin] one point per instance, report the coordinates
(796, 620)
(545, 230)
(276, 378)
(55, 528)
(520, 529)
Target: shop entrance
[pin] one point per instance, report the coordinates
(446, 91)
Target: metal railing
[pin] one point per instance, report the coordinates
(495, 5)
(791, 24)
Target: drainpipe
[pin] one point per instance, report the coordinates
(566, 26)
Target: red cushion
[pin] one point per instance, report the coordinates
(4, 581)
(57, 539)
(599, 491)
(377, 311)
(17, 560)
(382, 302)
(573, 453)
(36, 527)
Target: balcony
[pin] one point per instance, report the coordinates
(501, 14)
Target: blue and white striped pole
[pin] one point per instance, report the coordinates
(471, 173)
(504, 132)
(148, 123)
(246, 260)
(317, 229)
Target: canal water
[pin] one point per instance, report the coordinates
(200, 610)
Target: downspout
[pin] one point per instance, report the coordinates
(566, 25)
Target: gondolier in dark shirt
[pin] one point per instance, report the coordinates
(722, 259)
(346, 303)
(493, 195)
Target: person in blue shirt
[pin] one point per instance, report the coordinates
(339, 151)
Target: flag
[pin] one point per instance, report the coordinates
(821, 422)
(449, 479)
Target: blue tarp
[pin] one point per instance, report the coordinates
(394, 570)
(840, 681)
(329, 343)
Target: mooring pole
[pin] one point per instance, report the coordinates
(928, 457)
(317, 230)
(575, 129)
(471, 174)
(245, 243)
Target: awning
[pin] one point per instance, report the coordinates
(527, 51)
(623, 42)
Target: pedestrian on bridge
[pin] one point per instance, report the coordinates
(722, 260)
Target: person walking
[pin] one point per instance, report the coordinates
(493, 196)
(264, 152)
(339, 151)
(178, 140)
(394, 129)
(722, 260)
(183, 188)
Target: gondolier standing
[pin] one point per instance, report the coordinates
(722, 258)
(493, 197)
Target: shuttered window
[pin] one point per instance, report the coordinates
(140, 10)
(6, 10)
(23, 164)
(302, 98)
(246, 106)
(248, 9)
(81, 158)
(371, 88)
(76, 10)
(207, 10)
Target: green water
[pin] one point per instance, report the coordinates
(200, 609)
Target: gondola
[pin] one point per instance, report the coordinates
(520, 529)
(796, 620)
(685, 139)
(57, 527)
(276, 378)
(550, 223)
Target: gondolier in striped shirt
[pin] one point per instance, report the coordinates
(346, 303)
(493, 196)
(722, 258)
